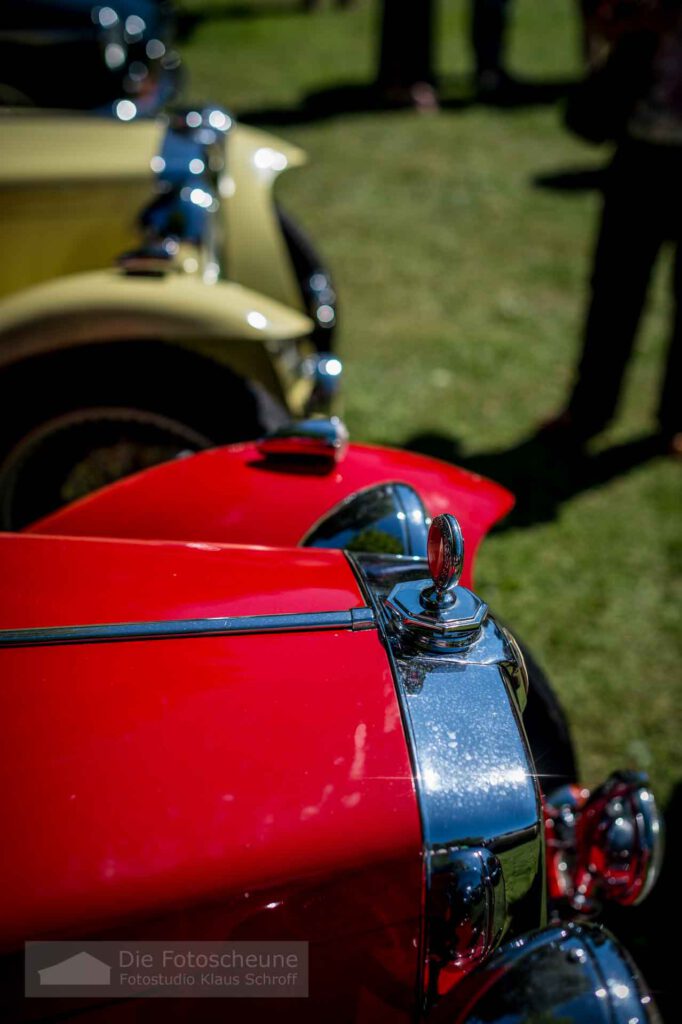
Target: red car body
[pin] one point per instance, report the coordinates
(233, 495)
(243, 786)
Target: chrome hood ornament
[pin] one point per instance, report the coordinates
(445, 554)
(438, 613)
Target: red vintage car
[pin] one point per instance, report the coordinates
(245, 698)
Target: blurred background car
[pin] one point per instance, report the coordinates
(77, 55)
(157, 300)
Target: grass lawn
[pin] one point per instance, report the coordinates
(462, 285)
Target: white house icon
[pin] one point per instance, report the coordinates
(79, 969)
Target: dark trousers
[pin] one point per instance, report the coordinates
(488, 29)
(642, 210)
(406, 43)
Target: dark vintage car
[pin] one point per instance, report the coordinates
(246, 698)
(80, 55)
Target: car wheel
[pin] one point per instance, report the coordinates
(76, 421)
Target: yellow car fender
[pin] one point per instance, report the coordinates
(256, 254)
(256, 337)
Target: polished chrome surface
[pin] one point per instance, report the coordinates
(134, 49)
(151, 260)
(314, 438)
(353, 619)
(568, 973)
(468, 908)
(321, 299)
(181, 231)
(437, 613)
(604, 845)
(517, 670)
(385, 518)
(415, 518)
(445, 554)
(437, 627)
(73, 55)
(473, 770)
(325, 372)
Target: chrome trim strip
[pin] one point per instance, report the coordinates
(472, 764)
(354, 619)
(472, 767)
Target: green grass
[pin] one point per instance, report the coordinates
(463, 286)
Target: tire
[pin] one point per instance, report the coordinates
(76, 420)
(547, 730)
(314, 281)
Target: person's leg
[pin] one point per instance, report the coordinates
(630, 237)
(488, 30)
(406, 73)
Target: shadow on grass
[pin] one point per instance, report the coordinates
(186, 20)
(368, 97)
(573, 179)
(541, 475)
(362, 98)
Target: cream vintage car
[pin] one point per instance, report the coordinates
(153, 297)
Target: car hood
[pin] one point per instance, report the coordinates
(143, 775)
(235, 495)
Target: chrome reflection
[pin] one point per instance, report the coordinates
(473, 770)
(605, 845)
(181, 220)
(468, 910)
(72, 55)
(387, 518)
(570, 973)
(319, 439)
(325, 372)
(321, 300)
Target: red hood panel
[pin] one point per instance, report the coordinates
(140, 776)
(233, 495)
(61, 581)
